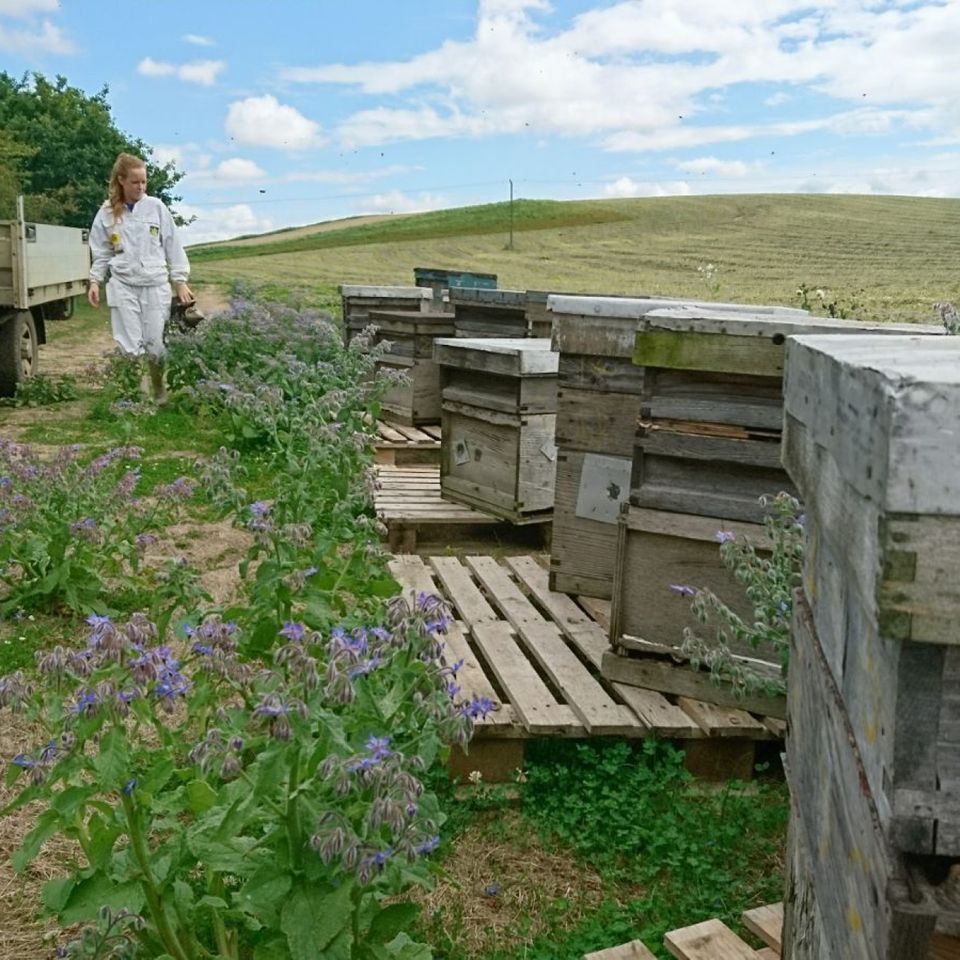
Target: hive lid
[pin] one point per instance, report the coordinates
(363, 290)
(509, 355)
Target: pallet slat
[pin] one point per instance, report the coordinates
(710, 940)
(766, 923)
(634, 950)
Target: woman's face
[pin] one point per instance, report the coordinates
(134, 184)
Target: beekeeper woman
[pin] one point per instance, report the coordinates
(135, 241)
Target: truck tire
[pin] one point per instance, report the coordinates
(19, 351)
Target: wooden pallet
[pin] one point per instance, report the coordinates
(711, 940)
(538, 654)
(408, 501)
(398, 444)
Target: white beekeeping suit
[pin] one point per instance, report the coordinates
(142, 253)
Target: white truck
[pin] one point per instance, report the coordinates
(42, 268)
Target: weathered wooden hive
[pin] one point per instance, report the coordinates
(708, 446)
(499, 313)
(414, 398)
(873, 750)
(600, 393)
(358, 300)
(499, 401)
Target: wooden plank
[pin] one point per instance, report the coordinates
(600, 714)
(765, 953)
(715, 352)
(464, 594)
(599, 609)
(717, 721)
(668, 677)
(710, 940)
(536, 706)
(634, 950)
(777, 727)
(766, 923)
(432, 431)
(658, 714)
(585, 634)
(654, 440)
(390, 433)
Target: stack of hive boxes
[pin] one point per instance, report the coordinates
(873, 749)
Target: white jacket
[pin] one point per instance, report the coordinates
(139, 248)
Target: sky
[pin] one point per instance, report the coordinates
(291, 112)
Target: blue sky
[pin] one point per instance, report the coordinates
(295, 111)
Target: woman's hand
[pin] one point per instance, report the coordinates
(184, 294)
(93, 293)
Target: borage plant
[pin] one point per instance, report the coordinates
(243, 812)
(72, 530)
(769, 574)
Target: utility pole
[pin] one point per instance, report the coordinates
(510, 244)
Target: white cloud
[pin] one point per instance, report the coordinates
(204, 72)
(644, 72)
(628, 187)
(265, 122)
(47, 38)
(197, 40)
(238, 170)
(715, 167)
(775, 99)
(26, 8)
(148, 67)
(220, 223)
(395, 201)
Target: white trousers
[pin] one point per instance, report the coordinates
(138, 316)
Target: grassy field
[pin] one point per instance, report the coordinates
(876, 258)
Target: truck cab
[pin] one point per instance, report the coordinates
(42, 268)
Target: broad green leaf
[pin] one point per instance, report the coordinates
(312, 918)
(57, 892)
(112, 763)
(275, 949)
(88, 896)
(47, 825)
(200, 796)
(264, 893)
(393, 920)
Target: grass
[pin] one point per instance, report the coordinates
(616, 843)
(877, 258)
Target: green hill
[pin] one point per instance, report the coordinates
(871, 257)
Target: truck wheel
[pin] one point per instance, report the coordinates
(19, 353)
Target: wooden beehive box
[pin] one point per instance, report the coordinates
(501, 313)
(871, 441)
(358, 300)
(873, 751)
(599, 399)
(707, 447)
(414, 398)
(498, 399)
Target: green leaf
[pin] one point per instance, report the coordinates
(264, 893)
(112, 763)
(88, 896)
(200, 796)
(393, 920)
(312, 918)
(57, 892)
(103, 835)
(275, 949)
(47, 825)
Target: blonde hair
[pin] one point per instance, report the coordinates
(122, 166)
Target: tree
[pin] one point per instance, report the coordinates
(57, 146)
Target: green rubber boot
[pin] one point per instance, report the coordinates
(157, 386)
